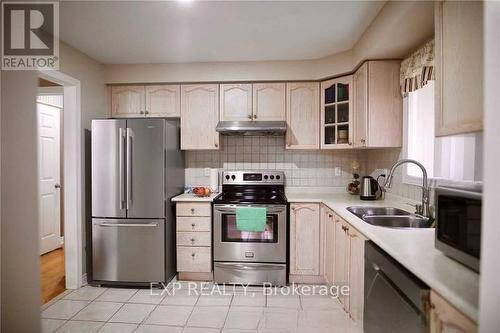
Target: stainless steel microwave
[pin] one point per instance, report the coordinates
(458, 230)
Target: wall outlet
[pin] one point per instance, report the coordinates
(206, 171)
(338, 172)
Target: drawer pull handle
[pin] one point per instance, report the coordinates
(192, 240)
(193, 225)
(192, 210)
(192, 255)
(330, 215)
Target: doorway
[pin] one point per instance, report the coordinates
(49, 108)
(70, 254)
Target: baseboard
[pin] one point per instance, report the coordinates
(309, 279)
(192, 276)
(84, 279)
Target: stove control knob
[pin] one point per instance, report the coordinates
(272, 177)
(233, 177)
(278, 177)
(227, 177)
(265, 177)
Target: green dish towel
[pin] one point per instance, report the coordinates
(251, 219)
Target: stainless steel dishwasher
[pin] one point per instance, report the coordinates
(395, 299)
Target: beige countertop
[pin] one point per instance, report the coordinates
(188, 197)
(412, 248)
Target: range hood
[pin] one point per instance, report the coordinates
(251, 128)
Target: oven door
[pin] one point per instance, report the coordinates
(231, 244)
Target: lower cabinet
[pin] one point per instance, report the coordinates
(305, 243)
(329, 244)
(345, 263)
(194, 241)
(445, 318)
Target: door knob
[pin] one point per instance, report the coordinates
(57, 185)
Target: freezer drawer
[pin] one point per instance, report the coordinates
(125, 250)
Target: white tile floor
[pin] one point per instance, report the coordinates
(92, 309)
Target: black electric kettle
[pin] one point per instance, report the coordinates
(369, 188)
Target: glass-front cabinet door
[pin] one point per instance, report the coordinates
(336, 117)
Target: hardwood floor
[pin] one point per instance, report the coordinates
(52, 278)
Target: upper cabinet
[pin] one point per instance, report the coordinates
(302, 115)
(378, 105)
(236, 102)
(459, 67)
(336, 113)
(258, 101)
(269, 101)
(199, 116)
(145, 101)
(127, 101)
(163, 101)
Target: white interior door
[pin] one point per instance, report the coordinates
(49, 177)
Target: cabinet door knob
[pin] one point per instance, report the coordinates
(254, 116)
(193, 225)
(192, 210)
(249, 116)
(216, 145)
(141, 112)
(192, 240)
(57, 186)
(363, 140)
(330, 215)
(146, 112)
(193, 254)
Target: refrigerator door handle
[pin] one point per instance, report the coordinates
(129, 168)
(128, 225)
(121, 148)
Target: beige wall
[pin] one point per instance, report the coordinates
(20, 266)
(399, 28)
(90, 73)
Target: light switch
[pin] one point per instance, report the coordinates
(207, 172)
(338, 171)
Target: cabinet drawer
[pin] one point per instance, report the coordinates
(194, 259)
(194, 209)
(194, 223)
(194, 238)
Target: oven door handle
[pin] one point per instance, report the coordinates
(233, 209)
(244, 267)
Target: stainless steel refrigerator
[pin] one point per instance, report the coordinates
(137, 167)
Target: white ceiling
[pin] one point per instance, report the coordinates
(117, 32)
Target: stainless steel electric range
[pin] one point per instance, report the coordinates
(251, 257)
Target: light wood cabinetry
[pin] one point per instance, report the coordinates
(236, 102)
(127, 101)
(336, 113)
(356, 274)
(349, 265)
(444, 318)
(145, 101)
(378, 105)
(163, 101)
(258, 101)
(305, 239)
(459, 67)
(341, 263)
(199, 116)
(302, 115)
(329, 245)
(194, 240)
(268, 101)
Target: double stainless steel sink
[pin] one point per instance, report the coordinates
(390, 217)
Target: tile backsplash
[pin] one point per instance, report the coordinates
(378, 159)
(308, 168)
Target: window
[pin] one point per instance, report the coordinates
(456, 158)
